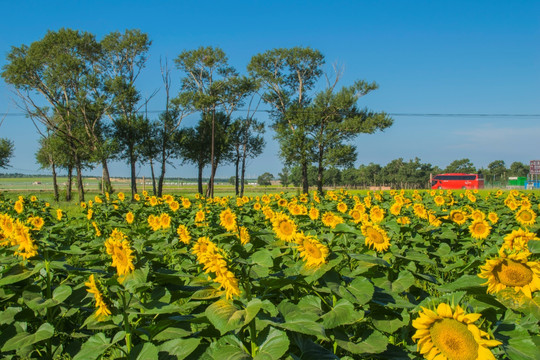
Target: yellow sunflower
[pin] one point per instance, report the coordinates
(479, 229)
(420, 211)
(228, 220)
(183, 234)
(19, 206)
(331, 220)
(122, 255)
(186, 203)
(439, 200)
(447, 334)
(493, 217)
(511, 270)
(376, 214)
(395, 209)
(356, 215)
(526, 216)
(341, 207)
(165, 221)
(284, 227)
(311, 250)
(376, 237)
(404, 220)
(174, 205)
(518, 240)
(130, 217)
(200, 216)
(458, 217)
(243, 235)
(102, 308)
(313, 213)
(477, 215)
(121, 196)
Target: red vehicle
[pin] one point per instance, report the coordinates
(457, 181)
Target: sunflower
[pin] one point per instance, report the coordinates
(257, 206)
(313, 213)
(154, 222)
(518, 240)
(433, 219)
(37, 222)
(395, 209)
(174, 205)
(183, 234)
(153, 201)
(311, 250)
(96, 228)
(477, 215)
(98, 200)
(447, 334)
(282, 202)
(165, 221)
(186, 203)
(341, 207)
(102, 308)
(404, 220)
(526, 216)
(130, 217)
(376, 237)
(243, 235)
(20, 236)
(121, 196)
(356, 215)
(420, 211)
(512, 270)
(268, 213)
(331, 220)
(376, 214)
(89, 214)
(439, 200)
(19, 206)
(284, 227)
(479, 229)
(122, 255)
(137, 197)
(227, 219)
(458, 216)
(493, 217)
(229, 283)
(200, 216)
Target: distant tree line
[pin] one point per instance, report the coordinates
(401, 174)
(83, 95)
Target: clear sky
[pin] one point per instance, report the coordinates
(428, 57)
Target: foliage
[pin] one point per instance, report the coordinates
(6, 152)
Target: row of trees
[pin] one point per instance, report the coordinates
(81, 93)
(400, 174)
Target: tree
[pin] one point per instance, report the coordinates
(518, 168)
(265, 179)
(460, 166)
(335, 119)
(6, 152)
(211, 85)
(496, 170)
(124, 58)
(284, 177)
(287, 76)
(60, 70)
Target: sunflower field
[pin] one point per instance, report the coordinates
(377, 275)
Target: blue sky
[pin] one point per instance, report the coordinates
(444, 57)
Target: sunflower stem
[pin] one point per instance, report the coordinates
(127, 327)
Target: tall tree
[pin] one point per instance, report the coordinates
(460, 166)
(211, 85)
(6, 152)
(59, 69)
(334, 119)
(287, 77)
(124, 58)
(497, 170)
(518, 168)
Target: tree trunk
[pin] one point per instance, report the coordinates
(133, 173)
(161, 176)
(106, 177)
(210, 190)
(242, 181)
(70, 182)
(320, 172)
(199, 179)
(305, 184)
(55, 182)
(80, 186)
(160, 185)
(236, 165)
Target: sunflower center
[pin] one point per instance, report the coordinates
(512, 273)
(526, 216)
(454, 340)
(375, 236)
(479, 228)
(120, 256)
(312, 250)
(285, 228)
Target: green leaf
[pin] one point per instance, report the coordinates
(180, 348)
(361, 290)
(310, 350)
(262, 257)
(61, 293)
(375, 343)
(341, 314)
(252, 309)
(21, 340)
(310, 304)
(534, 246)
(403, 282)
(464, 282)
(146, 351)
(8, 315)
(227, 347)
(274, 346)
(93, 347)
(16, 274)
(225, 316)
